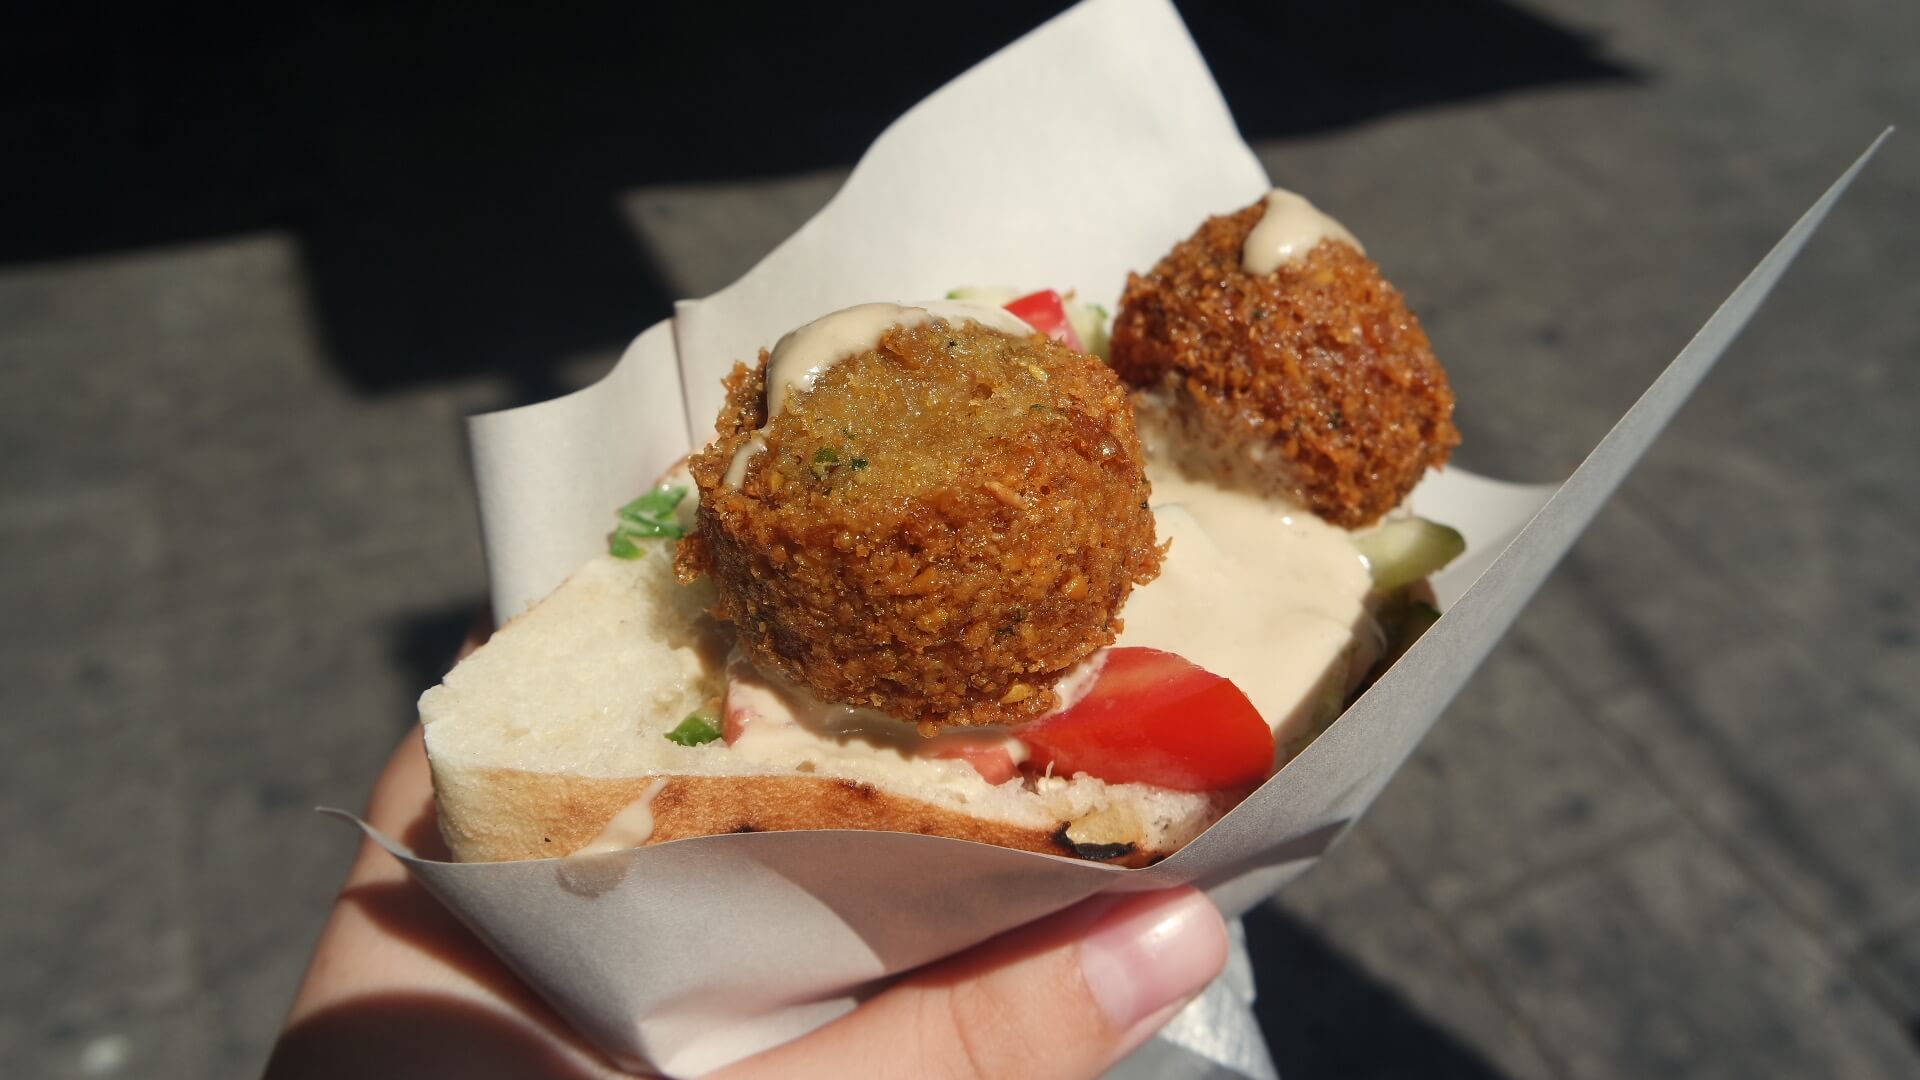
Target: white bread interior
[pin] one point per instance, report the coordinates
(558, 723)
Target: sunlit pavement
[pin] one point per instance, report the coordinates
(1669, 828)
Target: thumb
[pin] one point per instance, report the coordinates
(1067, 996)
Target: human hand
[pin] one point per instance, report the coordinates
(397, 987)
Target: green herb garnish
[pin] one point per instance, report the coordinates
(826, 459)
(649, 517)
(697, 729)
(654, 511)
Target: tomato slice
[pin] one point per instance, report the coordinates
(1155, 718)
(991, 760)
(1047, 313)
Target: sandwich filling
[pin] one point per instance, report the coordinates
(1251, 589)
(942, 552)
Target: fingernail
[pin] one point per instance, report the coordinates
(1152, 952)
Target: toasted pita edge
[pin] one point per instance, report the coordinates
(490, 814)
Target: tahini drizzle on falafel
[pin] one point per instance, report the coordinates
(924, 512)
(1269, 353)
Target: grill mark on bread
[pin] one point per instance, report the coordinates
(863, 792)
(1092, 852)
(501, 814)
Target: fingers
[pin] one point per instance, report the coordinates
(398, 987)
(1066, 997)
(403, 786)
(477, 634)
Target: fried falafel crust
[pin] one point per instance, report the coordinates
(937, 529)
(1314, 382)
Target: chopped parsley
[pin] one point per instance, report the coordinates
(697, 729)
(649, 517)
(827, 459)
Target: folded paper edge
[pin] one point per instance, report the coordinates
(518, 581)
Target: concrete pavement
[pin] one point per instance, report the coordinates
(1669, 828)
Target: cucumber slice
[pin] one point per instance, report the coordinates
(1090, 322)
(1402, 552)
(1416, 620)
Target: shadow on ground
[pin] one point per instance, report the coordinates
(452, 175)
(1323, 1016)
(424, 643)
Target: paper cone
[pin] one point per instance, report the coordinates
(710, 949)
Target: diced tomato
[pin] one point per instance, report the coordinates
(750, 697)
(734, 723)
(989, 759)
(1047, 313)
(1155, 718)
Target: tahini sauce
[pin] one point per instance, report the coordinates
(1288, 230)
(631, 827)
(786, 726)
(1254, 589)
(803, 354)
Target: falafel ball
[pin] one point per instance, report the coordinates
(1313, 382)
(937, 527)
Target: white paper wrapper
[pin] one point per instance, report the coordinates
(714, 948)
